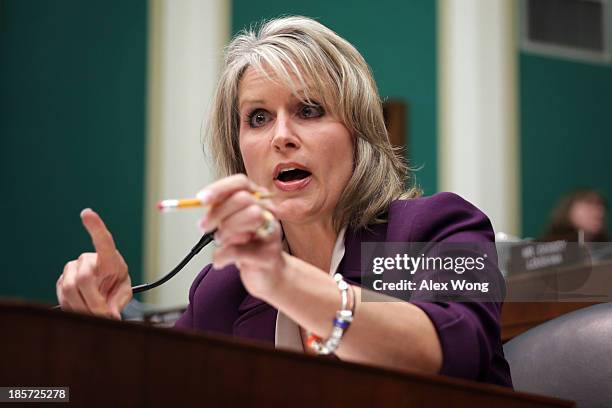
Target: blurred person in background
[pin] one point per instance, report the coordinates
(582, 210)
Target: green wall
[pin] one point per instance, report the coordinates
(566, 133)
(398, 39)
(72, 126)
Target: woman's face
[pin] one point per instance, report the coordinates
(301, 153)
(588, 215)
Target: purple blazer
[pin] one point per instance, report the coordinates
(469, 332)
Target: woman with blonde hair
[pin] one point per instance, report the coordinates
(297, 114)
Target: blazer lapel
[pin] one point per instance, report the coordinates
(350, 267)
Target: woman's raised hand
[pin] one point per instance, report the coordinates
(248, 234)
(96, 283)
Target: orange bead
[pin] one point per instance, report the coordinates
(312, 339)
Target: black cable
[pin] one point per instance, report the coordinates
(205, 240)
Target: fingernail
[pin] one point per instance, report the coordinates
(202, 222)
(84, 211)
(203, 229)
(218, 240)
(115, 313)
(204, 196)
(199, 227)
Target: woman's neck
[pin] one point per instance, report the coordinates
(312, 243)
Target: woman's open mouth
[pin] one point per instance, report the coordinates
(292, 178)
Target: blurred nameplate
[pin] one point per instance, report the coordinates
(537, 256)
(558, 271)
(164, 318)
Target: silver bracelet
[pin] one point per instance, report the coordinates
(342, 321)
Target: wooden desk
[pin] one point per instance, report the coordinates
(518, 317)
(108, 363)
(588, 287)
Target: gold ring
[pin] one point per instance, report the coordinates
(267, 227)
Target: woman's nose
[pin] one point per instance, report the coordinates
(284, 137)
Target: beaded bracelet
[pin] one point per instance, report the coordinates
(342, 321)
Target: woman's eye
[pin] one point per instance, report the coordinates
(258, 118)
(311, 111)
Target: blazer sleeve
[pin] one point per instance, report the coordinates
(186, 319)
(469, 332)
(466, 332)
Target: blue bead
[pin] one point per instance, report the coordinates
(342, 324)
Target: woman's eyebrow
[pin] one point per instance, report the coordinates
(250, 101)
(300, 94)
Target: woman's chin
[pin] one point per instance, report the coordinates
(294, 218)
(293, 213)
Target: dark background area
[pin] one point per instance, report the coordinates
(72, 103)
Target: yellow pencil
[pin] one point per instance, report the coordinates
(175, 204)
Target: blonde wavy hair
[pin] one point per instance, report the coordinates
(303, 53)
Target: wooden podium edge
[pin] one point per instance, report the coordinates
(259, 348)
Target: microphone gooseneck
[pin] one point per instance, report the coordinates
(205, 240)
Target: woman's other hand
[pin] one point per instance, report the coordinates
(96, 283)
(242, 237)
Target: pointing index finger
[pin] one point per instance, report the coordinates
(100, 236)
